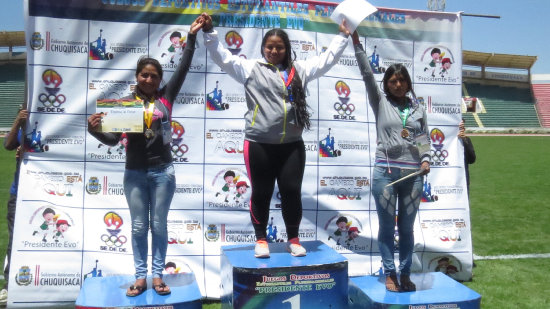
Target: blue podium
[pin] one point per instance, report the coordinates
(110, 292)
(317, 280)
(433, 290)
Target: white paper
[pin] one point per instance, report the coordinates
(354, 11)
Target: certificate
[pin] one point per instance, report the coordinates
(121, 115)
(354, 11)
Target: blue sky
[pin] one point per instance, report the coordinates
(521, 30)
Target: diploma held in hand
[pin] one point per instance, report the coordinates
(121, 115)
(406, 177)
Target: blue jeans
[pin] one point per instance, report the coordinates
(149, 193)
(407, 194)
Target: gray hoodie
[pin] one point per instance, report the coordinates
(391, 149)
(270, 117)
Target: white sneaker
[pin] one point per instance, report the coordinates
(296, 250)
(3, 297)
(261, 250)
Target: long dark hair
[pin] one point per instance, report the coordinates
(396, 69)
(296, 87)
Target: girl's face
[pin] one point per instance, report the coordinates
(274, 50)
(398, 86)
(148, 80)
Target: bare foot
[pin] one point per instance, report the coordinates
(392, 284)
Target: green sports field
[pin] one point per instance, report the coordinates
(510, 214)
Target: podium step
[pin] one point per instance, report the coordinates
(110, 292)
(433, 290)
(317, 280)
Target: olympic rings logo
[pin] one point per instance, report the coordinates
(113, 240)
(344, 108)
(49, 100)
(439, 155)
(179, 150)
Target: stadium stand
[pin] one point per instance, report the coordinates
(12, 92)
(507, 98)
(12, 76)
(541, 92)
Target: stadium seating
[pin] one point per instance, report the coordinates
(505, 106)
(12, 92)
(542, 96)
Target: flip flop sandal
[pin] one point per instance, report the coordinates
(161, 286)
(139, 289)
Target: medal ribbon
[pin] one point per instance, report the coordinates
(148, 113)
(404, 114)
(287, 82)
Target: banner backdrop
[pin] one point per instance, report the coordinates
(72, 219)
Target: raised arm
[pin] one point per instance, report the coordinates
(173, 86)
(371, 86)
(316, 67)
(236, 67)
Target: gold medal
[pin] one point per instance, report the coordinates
(405, 133)
(149, 133)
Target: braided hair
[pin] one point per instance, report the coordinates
(296, 90)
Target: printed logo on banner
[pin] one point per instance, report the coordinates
(344, 230)
(438, 61)
(343, 108)
(117, 152)
(98, 48)
(374, 62)
(49, 227)
(183, 232)
(438, 153)
(445, 230)
(33, 141)
(64, 140)
(326, 147)
(171, 55)
(234, 41)
(113, 241)
(433, 194)
(95, 272)
(446, 264)
(427, 196)
(303, 49)
(103, 48)
(112, 89)
(179, 149)
(227, 140)
(379, 64)
(345, 187)
(232, 189)
(36, 41)
(51, 100)
(56, 183)
(440, 108)
(24, 276)
(171, 268)
(226, 233)
(93, 186)
(214, 101)
(57, 45)
(212, 232)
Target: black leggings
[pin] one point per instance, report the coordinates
(266, 163)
